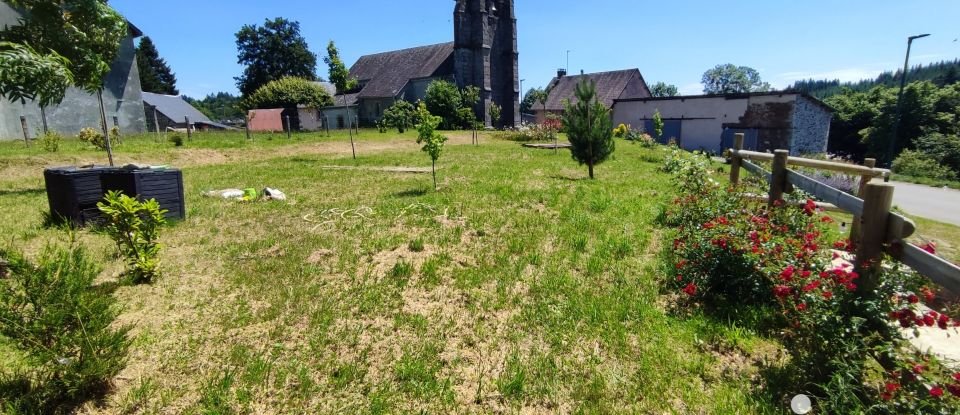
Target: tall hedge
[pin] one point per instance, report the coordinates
(288, 92)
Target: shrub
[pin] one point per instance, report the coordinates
(495, 113)
(943, 148)
(115, 137)
(135, 227)
(444, 100)
(288, 92)
(176, 139)
(63, 325)
(738, 254)
(50, 141)
(93, 137)
(915, 163)
(621, 131)
(401, 115)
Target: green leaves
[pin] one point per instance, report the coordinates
(155, 74)
(589, 127)
(400, 115)
(273, 51)
(135, 227)
(428, 136)
(732, 79)
(339, 74)
(28, 75)
(288, 92)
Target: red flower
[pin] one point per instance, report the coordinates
(930, 319)
(886, 396)
(811, 286)
(802, 307)
(723, 220)
(956, 376)
(927, 294)
(851, 286)
(826, 219)
(930, 247)
(805, 274)
(679, 277)
(892, 387)
(913, 299)
(708, 225)
(918, 369)
(681, 263)
(782, 291)
(690, 289)
(787, 274)
(943, 321)
(954, 390)
(809, 207)
(827, 295)
(936, 391)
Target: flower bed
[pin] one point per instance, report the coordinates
(792, 265)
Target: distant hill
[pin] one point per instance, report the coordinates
(941, 73)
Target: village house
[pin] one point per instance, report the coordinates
(769, 120)
(122, 102)
(613, 85)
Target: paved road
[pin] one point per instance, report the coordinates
(929, 202)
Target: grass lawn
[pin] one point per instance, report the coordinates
(520, 286)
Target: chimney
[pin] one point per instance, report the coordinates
(581, 72)
(561, 73)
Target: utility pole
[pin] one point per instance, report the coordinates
(891, 151)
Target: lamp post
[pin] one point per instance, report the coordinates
(903, 83)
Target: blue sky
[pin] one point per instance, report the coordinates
(674, 42)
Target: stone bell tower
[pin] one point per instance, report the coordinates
(485, 55)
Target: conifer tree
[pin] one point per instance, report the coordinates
(155, 74)
(589, 127)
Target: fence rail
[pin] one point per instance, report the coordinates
(875, 229)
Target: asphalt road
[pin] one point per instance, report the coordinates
(935, 203)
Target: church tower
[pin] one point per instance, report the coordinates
(485, 55)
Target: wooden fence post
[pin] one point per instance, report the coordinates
(778, 180)
(26, 130)
(855, 225)
(877, 201)
(246, 125)
(287, 120)
(189, 133)
(736, 161)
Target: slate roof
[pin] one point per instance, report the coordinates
(611, 86)
(175, 108)
(383, 75)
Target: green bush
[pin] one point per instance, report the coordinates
(135, 227)
(288, 92)
(943, 148)
(93, 137)
(65, 328)
(444, 100)
(401, 115)
(176, 139)
(50, 141)
(917, 164)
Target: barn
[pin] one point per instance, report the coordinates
(769, 120)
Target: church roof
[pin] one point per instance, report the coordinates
(383, 75)
(611, 85)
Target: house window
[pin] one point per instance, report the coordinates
(340, 123)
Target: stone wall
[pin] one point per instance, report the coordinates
(485, 55)
(811, 127)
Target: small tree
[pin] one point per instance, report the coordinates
(657, 125)
(401, 115)
(495, 113)
(444, 100)
(340, 77)
(428, 136)
(589, 127)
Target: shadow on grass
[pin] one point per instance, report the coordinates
(34, 393)
(568, 178)
(22, 192)
(411, 193)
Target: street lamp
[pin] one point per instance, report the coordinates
(903, 83)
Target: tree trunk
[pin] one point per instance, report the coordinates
(590, 169)
(433, 168)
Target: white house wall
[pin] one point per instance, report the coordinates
(702, 118)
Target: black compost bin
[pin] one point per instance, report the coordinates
(73, 192)
(163, 184)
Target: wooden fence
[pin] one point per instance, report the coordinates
(875, 229)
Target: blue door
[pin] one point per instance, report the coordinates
(671, 130)
(749, 138)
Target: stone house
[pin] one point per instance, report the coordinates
(613, 85)
(769, 120)
(123, 105)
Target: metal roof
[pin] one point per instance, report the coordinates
(175, 108)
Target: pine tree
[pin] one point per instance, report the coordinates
(155, 74)
(589, 127)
